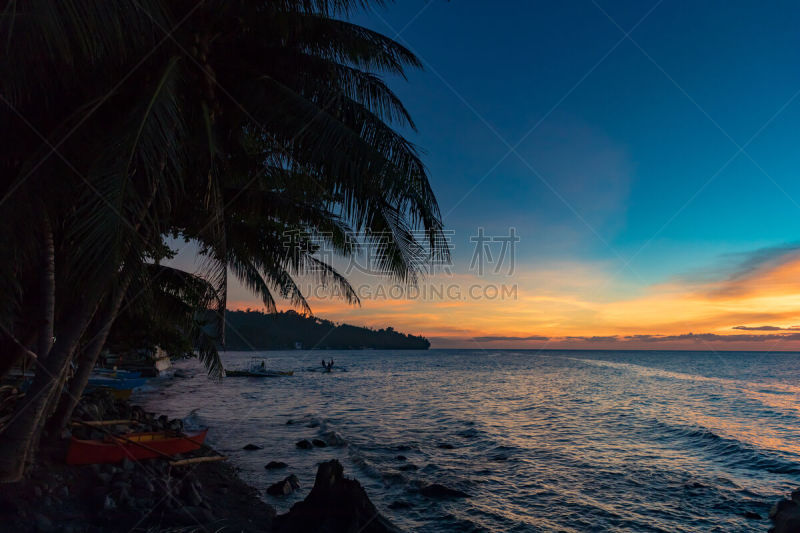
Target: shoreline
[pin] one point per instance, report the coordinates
(150, 495)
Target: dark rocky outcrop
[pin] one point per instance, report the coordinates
(786, 515)
(304, 444)
(286, 486)
(335, 504)
(274, 465)
(319, 443)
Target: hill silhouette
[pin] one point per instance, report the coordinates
(254, 330)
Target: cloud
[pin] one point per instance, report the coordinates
(765, 328)
(594, 338)
(495, 338)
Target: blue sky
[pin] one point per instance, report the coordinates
(638, 137)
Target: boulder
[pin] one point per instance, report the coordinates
(786, 516)
(439, 491)
(333, 439)
(334, 504)
(400, 457)
(304, 444)
(284, 487)
(319, 443)
(251, 447)
(274, 465)
(408, 467)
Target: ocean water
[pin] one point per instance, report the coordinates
(541, 441)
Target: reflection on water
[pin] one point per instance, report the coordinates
(568, 441)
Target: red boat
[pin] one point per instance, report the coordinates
(133, 446)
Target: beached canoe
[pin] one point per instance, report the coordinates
(133, 446)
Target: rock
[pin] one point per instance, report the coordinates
(284, 487)
(445, 446)
(408, 467)
(333, 439)
(319, 443)
(751, 514)
(499, 457)
(437, 490)
(786, 516)
(304, 444)
(796, 496)
(191, 495)
(251, 447)
(400, 504)
(313, 424)
(334, 504)
(401, 457)
(274, 465)
(109, 504)
(43, 523)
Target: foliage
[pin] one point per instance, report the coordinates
(254, 330)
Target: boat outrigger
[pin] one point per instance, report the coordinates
(258, 369)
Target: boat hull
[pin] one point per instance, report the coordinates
(144, 446)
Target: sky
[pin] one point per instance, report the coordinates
(644, 154)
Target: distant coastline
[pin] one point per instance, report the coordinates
(253, 330)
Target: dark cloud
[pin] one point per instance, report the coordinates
(596, 338)
(765, 328)
(498, 338)
(713, 337)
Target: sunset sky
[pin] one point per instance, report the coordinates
(645, 153)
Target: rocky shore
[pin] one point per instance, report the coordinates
(785, 514)
(153, 496)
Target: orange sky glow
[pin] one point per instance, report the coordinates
(575, 305)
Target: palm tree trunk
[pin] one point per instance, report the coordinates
(86, 362)
(17, 441)
(47, 290)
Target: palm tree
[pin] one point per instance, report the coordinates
(231, 123)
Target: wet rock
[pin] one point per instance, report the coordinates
(251, 447)
(786, 516)
(401, 457)
(313, 424)
(284, 487)
(334, 504)
(319, 443)
(109, 504)
(751, 514)
(43, 523)
(400, 504)
(445, 446)
(304, 444)
(437, 490)
(333, 439)
(408, 467)
(274, 465)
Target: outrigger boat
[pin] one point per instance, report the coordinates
(113, 449)
(258, 369)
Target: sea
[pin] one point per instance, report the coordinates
(539, 440)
